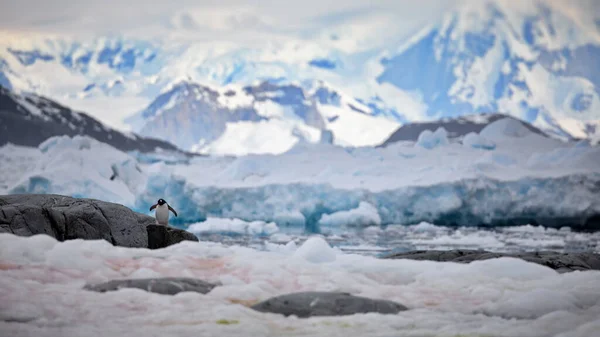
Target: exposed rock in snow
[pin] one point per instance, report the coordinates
(307, 304)
(561, 262)
(164, 285)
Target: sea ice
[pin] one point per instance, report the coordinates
(233, 226)
(362, 216)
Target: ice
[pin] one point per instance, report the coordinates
(430, 140)
(236, 226)
(477, 141)
(362, 216)
(316, 250)
(82, 167)
(42, 293)
(323, 185)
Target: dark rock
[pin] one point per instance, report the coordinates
(28, 120)
(165, 286)
(160, 236)
(66, 218)
(561, 262)
(307, 304)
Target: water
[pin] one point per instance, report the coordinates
(381, 241)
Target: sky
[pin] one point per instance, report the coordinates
(110, 16)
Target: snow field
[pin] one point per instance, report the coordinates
(41, 282)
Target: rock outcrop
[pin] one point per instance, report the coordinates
(66, 218)
(561, 262)
(165, 286)
(161, 236)
(308, 304)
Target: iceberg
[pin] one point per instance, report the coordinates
(430, 140)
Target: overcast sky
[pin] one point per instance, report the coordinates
(125, 15)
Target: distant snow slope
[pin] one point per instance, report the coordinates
(262, 118)
(29, 120)
(506, 174)
(535, 60)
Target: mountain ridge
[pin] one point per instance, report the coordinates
(532, 60)
(29, 120)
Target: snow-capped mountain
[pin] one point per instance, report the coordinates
(535, 60)
(261, 118)
(29, 120)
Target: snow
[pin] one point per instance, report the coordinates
(430, 140)
(322, 184)
(506, 127)
(79, 166)
(353, 128)
(272, 136)
(477, 141)
(316, 250)
(236, 226)
(362, 216)
(42, 295)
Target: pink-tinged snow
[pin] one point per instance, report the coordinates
(41, 293)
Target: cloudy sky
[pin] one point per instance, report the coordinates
(110, 16)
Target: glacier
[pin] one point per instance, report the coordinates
(317, 186)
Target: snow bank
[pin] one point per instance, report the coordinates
(362, 216)
(42, 295)
(233, 226)
(430, 140)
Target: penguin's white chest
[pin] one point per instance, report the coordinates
(162, 214)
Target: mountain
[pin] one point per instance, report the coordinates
(455, 127)
(28, 120)
(261, 118)
(534, 60)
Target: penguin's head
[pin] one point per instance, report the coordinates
(161, 202)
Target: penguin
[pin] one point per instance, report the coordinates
(162, 212)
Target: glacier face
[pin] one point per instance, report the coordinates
(316, 186)
(534, 60)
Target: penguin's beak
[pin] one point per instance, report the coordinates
(172, 210)
(153, 206)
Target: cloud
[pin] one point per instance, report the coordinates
(110, 16)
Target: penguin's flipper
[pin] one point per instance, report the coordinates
(153, 206)
(172, 210)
